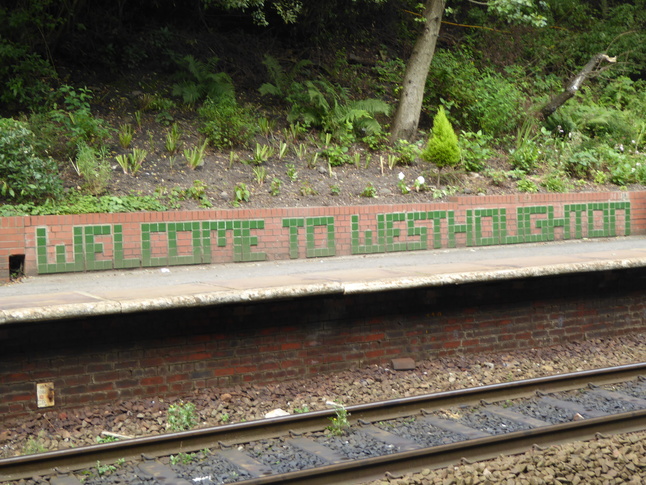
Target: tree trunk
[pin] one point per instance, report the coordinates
(409, 108)
(588, 70)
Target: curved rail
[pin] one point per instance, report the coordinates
(153, 446)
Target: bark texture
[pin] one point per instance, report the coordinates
(410, 102)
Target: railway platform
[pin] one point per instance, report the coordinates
(64, 296)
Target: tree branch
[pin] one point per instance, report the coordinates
(589, 70)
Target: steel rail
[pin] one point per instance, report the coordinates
(160, 445)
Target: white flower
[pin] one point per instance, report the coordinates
(401, 176)
(420, 180)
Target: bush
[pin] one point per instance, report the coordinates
(23, 175)
(442, 148)
(226, 124)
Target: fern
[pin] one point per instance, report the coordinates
(199, 81)
(282, 81)
(323, 105)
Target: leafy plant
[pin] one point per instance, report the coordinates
(292, 174)
(102, 470)
(475, 150)
(240, 194)
(282, 150)
(94, 167)
(106, 439)
(35, 445)
(126, 133)
(300, 150)
(442, 148)
(132, 162)
(199, 81)
(369, 191)
(260, 173)
(172, 139)
(76, 119)
(195, 156)
(23, 175)
(261, 154)
(302, 410)
(226, 124)
(525, 156)
(225, 418)
(181, 416)
(321, 104)
(182, 458)
(307, 189)
(335, 190)
(340, 422)
(405, 152)
(274, 188)
(526, 185)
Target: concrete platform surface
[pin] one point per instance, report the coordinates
(70, 295)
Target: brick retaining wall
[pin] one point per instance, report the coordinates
(90, 242)
(173, 352)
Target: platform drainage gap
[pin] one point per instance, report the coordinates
(16, 266)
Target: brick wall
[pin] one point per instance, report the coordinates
(91, 242)
(173, 352)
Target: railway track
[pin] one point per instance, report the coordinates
(393, 437)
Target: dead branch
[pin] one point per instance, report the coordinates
(592, 68)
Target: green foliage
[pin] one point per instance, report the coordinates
(75, 118)
(334, 190)
(102, 470)
(27, 77)
(369, 191)
(321, 104)
(340, 422)
(126, 133)
(526, 185)
(183, 458)
(35, 445)
(442, 148)
(475, 149)
(307, 189)
(195, 156)
(261, 154)
(181, 416)
(23, 175)
(94, 167)
(525, 156)
(226, 124)
(282, 82)
(132, 162)
(106, 439)
(274, 188)
(405, 152)
(479, 98)
(240, 194)
(198, 81)
(172, 141)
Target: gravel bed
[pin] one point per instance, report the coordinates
(482, 420)
(354, 444)
(535, 408)
(598, 403)
(61, 429)
(419, 432)
(633, 388)
(281, 457)
(212, 469)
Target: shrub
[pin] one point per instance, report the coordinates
(225, 123)
(23, 175)
(442, 148)
(475, 151)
